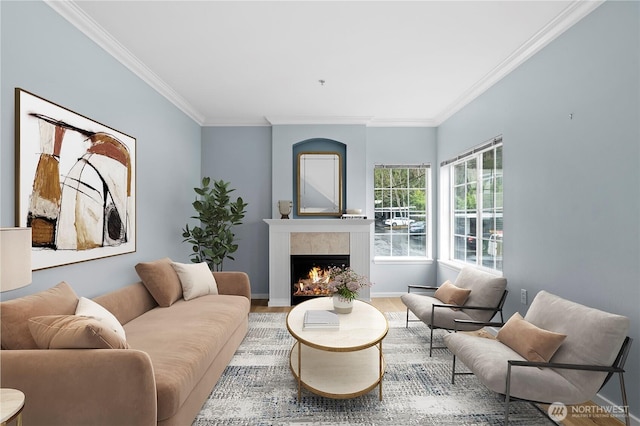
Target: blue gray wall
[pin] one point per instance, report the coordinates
(572, 185)
(44, 54)
(242, 156)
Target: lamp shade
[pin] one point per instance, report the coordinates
(15, 258)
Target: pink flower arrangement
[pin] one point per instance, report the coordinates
(346, 282)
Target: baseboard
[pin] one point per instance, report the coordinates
(387, 294)
(605, 402)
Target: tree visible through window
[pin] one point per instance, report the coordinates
(401, 210)
(477, 213)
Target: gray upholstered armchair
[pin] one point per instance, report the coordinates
(560, 351)
(485, 296)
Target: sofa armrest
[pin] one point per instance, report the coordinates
(233, 283)
(82, 386)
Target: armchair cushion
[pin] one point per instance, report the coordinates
(444, 317)
(486, 290)
(529, 341)
(593, 336)
(451, 294)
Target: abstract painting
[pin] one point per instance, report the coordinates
(75, 184)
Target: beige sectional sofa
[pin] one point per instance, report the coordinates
(175, 353)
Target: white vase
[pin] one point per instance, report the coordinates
(342, 305)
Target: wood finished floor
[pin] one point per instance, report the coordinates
(394, 304)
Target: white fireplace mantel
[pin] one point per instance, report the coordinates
(280, 250)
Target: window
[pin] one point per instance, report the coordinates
(476, 206)
(402, 211)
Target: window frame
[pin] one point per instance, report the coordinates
(447, 209)
(428, 212)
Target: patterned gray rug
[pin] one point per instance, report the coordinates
(257, 388)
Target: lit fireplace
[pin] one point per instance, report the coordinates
(314, 284)
(310, 274)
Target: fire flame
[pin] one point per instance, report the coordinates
(313, 284)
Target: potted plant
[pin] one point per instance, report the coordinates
(213, 240)
(345, 283)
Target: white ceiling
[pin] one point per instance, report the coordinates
(384, 63)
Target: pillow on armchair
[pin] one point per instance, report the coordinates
(530, 342)
(452, 295)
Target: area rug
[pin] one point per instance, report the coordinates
(257, 388)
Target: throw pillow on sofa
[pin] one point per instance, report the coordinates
(73, 332)
(161, 281)
(196, 279)
(15, 313)
(89, 308)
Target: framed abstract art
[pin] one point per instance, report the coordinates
(75, 184)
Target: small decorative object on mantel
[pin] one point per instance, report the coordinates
(284, 207)
(353, 214)
(344, 284)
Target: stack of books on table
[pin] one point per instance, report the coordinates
(314, 319)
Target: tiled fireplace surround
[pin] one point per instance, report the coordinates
(315, 236)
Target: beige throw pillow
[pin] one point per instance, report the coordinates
(161, 281)
(452, 295)
(89, 308)
(73, 332)
(196, 279)
(15, 314)
(530, 342)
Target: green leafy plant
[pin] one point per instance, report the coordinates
(213, 240)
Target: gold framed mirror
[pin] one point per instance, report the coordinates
(319, 184)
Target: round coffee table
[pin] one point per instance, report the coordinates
(338, 363)
(11, 405)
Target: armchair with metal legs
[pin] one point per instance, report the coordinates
(596, 348)
(486, 298)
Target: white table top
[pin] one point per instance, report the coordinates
(11, 401)
(365, 326)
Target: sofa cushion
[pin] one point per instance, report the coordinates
(192, 334)
(196, 279)
(531, 342)
(14, 314)
(161, 280)
(451, 294)
(73, 332)
(89, 308)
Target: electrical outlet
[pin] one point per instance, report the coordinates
(523, 296)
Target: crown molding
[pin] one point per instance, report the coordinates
(298, 120)
(573, 13)
(404, 122)
(83, 22)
